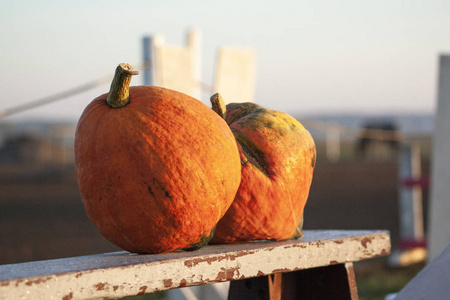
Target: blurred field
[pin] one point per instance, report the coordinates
(42, 217)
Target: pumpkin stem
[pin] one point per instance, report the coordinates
(120, 86)
(218, 105)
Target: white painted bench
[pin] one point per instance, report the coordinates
(318, 266)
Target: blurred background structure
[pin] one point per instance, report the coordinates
(360, 76)
(320, 57)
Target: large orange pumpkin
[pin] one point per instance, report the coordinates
(156, 168)
(278, 157)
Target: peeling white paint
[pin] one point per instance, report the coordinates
(122, 274)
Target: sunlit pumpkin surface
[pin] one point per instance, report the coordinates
(157, 174)
(278, 156)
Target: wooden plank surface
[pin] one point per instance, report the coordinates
(121, 274)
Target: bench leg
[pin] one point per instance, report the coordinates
(330, 282)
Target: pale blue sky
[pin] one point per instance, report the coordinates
(312, 56)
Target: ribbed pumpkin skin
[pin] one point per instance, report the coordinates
(278, 157)
(157, 174)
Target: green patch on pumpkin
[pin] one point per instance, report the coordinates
(298, 230)
(204, 240)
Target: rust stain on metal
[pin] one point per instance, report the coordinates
(4, 284)
(385, 252)
(79, 274)
(37, 281)
(366, 240)
(368, 253)
(115, 288)
(301, 245)
(318, 244)
(338, 241)
(142, 290)
(227, 274)
(333, 262)
(183, 282)
(282, 270)
(168, 283)
(19, 282)
(260, 273)
(100, 286)
(288, 247)
(193, 262)
(68, 297)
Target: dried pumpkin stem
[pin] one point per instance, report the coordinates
(218, 105)
(119, 93)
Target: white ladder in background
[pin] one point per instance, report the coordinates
(179, 68)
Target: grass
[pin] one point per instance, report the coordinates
(375, 279)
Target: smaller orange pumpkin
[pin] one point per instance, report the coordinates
(278, 156)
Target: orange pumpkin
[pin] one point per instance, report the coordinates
(156, 168)
(278, 157)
